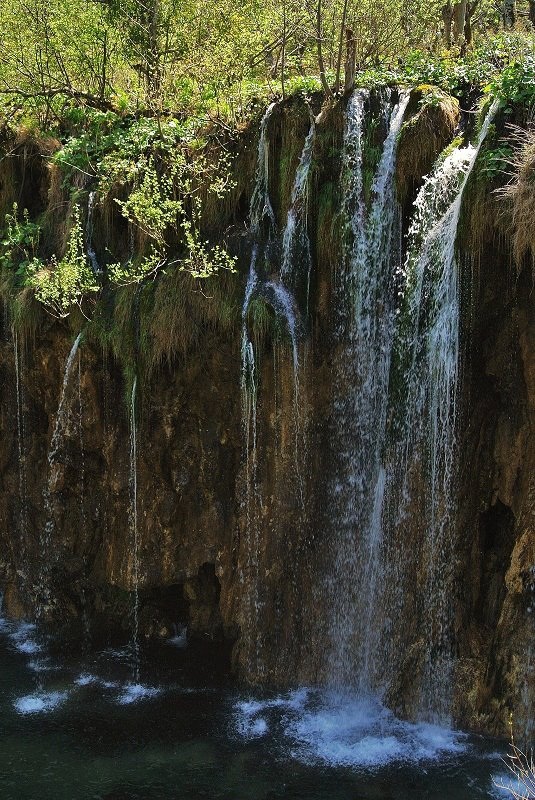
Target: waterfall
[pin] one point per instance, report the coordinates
(134, 533)
(366, 327)
(296, 266)
(61, 416)
(86, 624)
(21, 446)
(295, 241)
(429, 355)
(81, 440)
(47, 545)
(260, 201)
(92, 256)
(261, 213)
(279, 294)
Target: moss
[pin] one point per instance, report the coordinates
(289, 128)
(182, 310)
(329, 228)
(25, 312)
(261, 320)
(432, 117)
(520, 195)
(483, 214)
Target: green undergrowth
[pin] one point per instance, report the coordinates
(168, 191)
(430, 122)
(154, 324)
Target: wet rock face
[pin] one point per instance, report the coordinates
(196, 561)
(497, 501)
(188, 448)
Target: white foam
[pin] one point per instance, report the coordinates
(41, 665)
(88, 679)
(23, 640)
(85, 679)
(347, 731)
(5, 625)
(134, 692)
(39, 702)
(342, 730)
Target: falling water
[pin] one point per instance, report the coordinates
(81, 440)
(366, 327)
(133, 521)
(85, 614)
(21, 444)
(261, 207)
(47, 547)
(296, 255)
(261, 214)
(92, 256)
(429, 355)
(296, 265)
(63, 409)
(341, 575)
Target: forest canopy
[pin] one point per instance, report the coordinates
(133, 106)
(200, 57)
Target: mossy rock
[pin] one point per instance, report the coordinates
(432, 117)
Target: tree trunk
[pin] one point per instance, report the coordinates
(351, 51)
(459, 18)
(154, 76)
(340, 47)
(283, 51)
(321, 63)
(447, 19)
(509, 13)
(532, 12)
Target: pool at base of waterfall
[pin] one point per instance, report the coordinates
(79, 728)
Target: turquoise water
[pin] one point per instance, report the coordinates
(75, 728)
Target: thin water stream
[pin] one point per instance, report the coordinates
(47, 534)
(134, 535)
(18, 356)
(90, 250)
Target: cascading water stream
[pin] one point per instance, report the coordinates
(134, 533)
(296, 254)
(92, 256)
(429, 352)
(279, 295)
(366, 328)
(296, 264)
(340, 583)
(63, 409)
(85, 615)
(47, 545)
(81, 440)
(21, 446)
(260, 211)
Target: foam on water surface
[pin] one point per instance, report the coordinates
(88, 679)
(341, 730)
(42, 665)
(39, 702)
(134, 692)
(23, 640)
(5, 625)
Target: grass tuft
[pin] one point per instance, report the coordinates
(433, 117)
